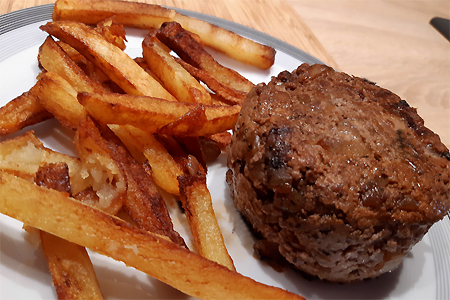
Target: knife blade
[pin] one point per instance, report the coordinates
(442, 25)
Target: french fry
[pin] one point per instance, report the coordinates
(23, 111)
(230, 95)
(180, 41)
(88, 67)
(218, 119)
(152, 114)
(72, 271)
(187, 124)
(69, 219)
(71, 268)
(149, 16)
(143, 202)
(175, 78)
(53, 59)
(164, 168)
(119, 67)
(130, 14)
(59, 98)
(146, 113)
(127, 140)
(199, 211)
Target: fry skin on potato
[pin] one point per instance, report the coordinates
(60, 215)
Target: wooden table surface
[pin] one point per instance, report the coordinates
(388, 42)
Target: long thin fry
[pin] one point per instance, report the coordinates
(197, 204)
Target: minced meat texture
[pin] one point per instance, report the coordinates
(341, 173)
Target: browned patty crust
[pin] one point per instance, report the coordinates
(340, 173)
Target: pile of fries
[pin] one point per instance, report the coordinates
(141, 125)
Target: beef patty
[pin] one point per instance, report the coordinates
(340, 174)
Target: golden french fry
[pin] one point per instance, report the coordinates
(187, 124)
(23, 111)
(128, 141)
(180, 41)
(72, 271)
(199, 211)
(146, 113)
(152, 114)
(227, 94)
(218, 119)
(119, 67)
(88, 67)
(53, 59)
(132, 14)
(69, 219)
(164, 168)
(175, 78)
(59, 98)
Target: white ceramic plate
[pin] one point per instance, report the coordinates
(424, 274)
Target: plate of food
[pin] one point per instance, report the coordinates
(423, 273)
